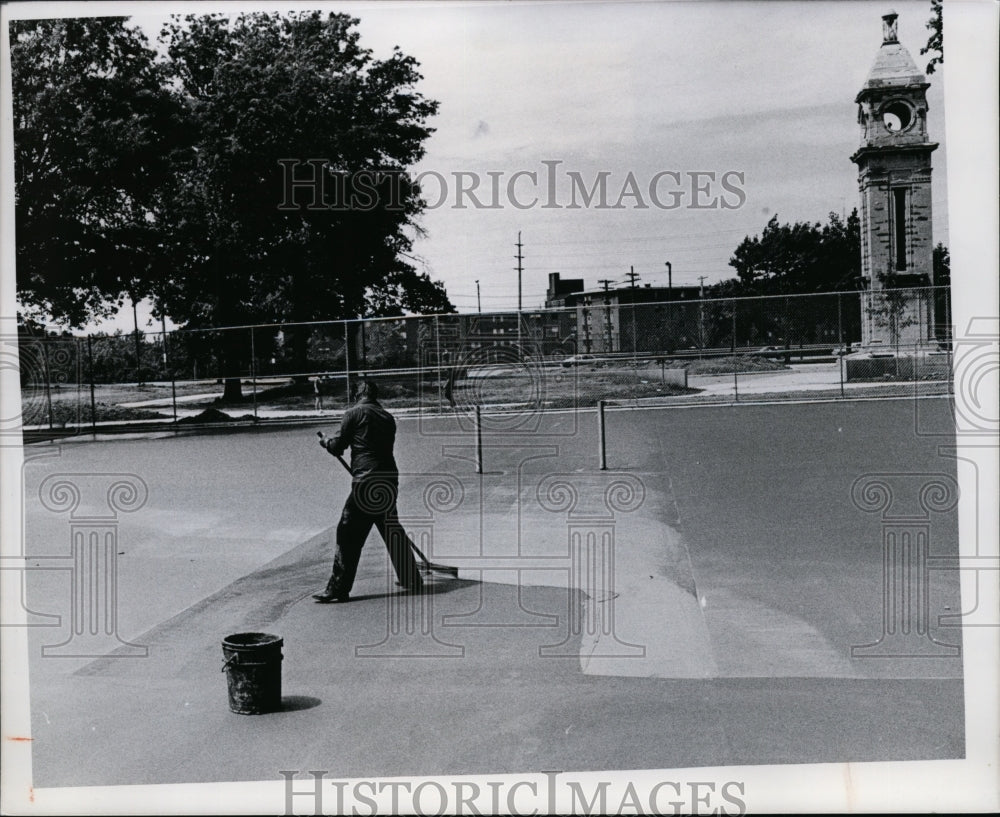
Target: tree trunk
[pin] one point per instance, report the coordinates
(232, 355)
(233, 391)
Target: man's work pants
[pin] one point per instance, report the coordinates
(371, 504)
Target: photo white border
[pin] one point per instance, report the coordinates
(970, 785)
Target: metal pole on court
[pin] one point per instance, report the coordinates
(479, 441)
(600, 436)
(90, 367)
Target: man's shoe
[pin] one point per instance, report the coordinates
(329, 598)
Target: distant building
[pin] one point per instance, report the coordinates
(560, 290)
(623, 320)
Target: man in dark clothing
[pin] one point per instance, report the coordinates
(370, 432)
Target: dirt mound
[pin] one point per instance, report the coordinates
(727, 365)
(213, 415)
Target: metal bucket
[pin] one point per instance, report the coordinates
(253, 667)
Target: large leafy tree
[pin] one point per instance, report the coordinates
(792, 259)
(799, 258)
(274, 97)
(95, 131)
(165, 176)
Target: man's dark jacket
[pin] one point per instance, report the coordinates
(370, 432)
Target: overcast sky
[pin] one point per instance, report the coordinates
(765, 90)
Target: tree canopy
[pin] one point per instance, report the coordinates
(935, 42)
(94, 131)
(799, 258)
(162, 176)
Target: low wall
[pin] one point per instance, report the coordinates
(932, 366)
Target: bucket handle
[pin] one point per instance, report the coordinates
(229, 661)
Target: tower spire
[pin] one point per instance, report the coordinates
(889, 35)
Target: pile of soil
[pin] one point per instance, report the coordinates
(70, 414)
(213, 415)
(740, 363)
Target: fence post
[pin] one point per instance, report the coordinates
(920, 317)
(138, 352)
(364, 345)
(842, 364)
(347, 362)
(167, 370)
(48, 379)
(949, 337)
(437, 355)
(479, 441)
(253, 372)
(173, 393)
(90, 372)
(840, 320)
(736, 375)
(600, 436)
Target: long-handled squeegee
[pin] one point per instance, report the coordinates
(426, 564)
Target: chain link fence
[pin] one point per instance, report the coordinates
(610, 346)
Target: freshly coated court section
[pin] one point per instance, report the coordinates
(787, 558)
(745, 574)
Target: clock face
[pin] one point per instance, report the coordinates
(897, 116)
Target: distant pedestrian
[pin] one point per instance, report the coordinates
(370, 432)
(317, 395)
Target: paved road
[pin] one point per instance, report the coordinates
(742, 580)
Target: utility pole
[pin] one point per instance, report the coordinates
(606, 283)
(479, 303)
(632, 278)
(520, 269)
(670, 279)
(519, 257)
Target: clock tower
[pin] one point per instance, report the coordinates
(894, 177)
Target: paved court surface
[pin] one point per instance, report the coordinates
(695, 605)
